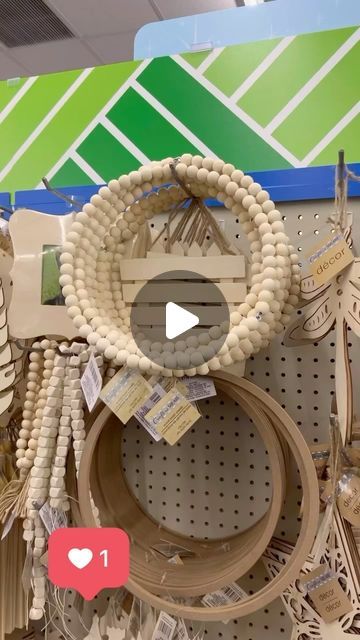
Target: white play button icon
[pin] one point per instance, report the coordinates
(178, 320)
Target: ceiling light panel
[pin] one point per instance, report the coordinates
(96, 18)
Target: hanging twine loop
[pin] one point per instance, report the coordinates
(196, 223)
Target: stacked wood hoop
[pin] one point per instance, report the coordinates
(152, 579)
(99, 239)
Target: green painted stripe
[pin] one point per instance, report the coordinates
(236, 63)
(148, 129)
(207, 117)
(292, 69)
(107, 155)
(70, 175)
(324, 106)
(68, 124)
(31, 110)
(7, 92)
(347, 139)
(196, 58)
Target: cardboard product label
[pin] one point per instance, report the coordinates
(227, 595)
(173, 416)
(329, 258)
(163, 381)
(193, 388)
(326, 593)
(198, 388)
(165, 627)
(125, 393)
(91, 382)
(349, 499)
(52, 518)
(140, 415)
(169, 550)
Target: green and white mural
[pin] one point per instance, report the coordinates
(290, 102)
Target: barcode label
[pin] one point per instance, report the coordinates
(140, 415)
(91, 382)
(52, 518)
(226, 595)
(165, 627)
(181, 631)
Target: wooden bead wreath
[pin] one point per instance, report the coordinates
(198, 576)
(103, 231)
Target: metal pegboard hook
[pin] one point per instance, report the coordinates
(69, 199)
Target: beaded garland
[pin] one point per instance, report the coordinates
(100, 237)
(53, 421)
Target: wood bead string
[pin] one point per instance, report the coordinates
(40, 475)
(77, 404)
(57, 480)
(25, 445)
(101, 234)
(53, 421)
(14, 495)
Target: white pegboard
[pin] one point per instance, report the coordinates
(197, 482)
(216, 482)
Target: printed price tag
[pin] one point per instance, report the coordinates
(329, 258)
(126, 392)
(198, 388)
(163, 381)
(8, 525)
(52, 518)
(349, 498)
(173, 416)
(140, 415)
(165, 627)
(325, 591)
(91, 382)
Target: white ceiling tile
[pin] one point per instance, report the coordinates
(113, 48)
(9, 68)
(95, 18)
(55, 56)
(176, 8)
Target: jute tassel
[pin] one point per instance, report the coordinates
(195, 223)
(13, 499)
